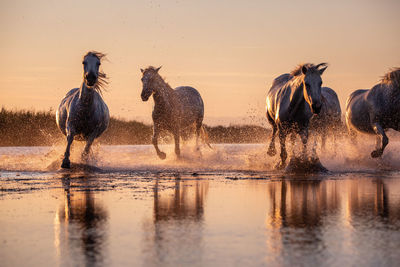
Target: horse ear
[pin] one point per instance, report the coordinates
(158, 68)
(322, 70)
(142, 70)
(304, 70)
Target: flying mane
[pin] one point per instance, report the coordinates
(102, 79)
(392, 78)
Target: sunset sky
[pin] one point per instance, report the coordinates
(229, 50)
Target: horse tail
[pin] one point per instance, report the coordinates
(204, 136)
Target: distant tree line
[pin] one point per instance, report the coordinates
(39, 128)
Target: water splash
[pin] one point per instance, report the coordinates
(339, 156)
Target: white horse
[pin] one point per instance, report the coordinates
(329, 120)
(175, 109)
(375, 110)
(82, 114)
(291, 102)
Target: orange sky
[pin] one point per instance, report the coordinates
(229, 50)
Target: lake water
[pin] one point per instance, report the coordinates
(226, 207)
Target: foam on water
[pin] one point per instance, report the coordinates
(340, 156)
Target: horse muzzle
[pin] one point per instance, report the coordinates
(144, 97)
(146, 92)
(316, 108)
(91, 79)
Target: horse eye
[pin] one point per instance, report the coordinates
(84, 62)
(98, 63)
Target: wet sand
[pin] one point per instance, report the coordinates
(227, 207)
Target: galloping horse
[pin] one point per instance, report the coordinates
(291, 102)
(175, 109)
(375, 110)
(329, 119)
(82, 114)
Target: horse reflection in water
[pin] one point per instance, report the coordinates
(313, 204)
(305, 203)
(82, 234)
(291, 102)
(175, 110)
(376, 110)
(82, 114)
(177, 222)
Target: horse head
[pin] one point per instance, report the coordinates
(91, 63)
(312, 85)
(148, 80)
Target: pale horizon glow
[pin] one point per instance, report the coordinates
(229, 50)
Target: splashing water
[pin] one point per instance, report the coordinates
(339, 156)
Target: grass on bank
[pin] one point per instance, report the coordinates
(39, 128)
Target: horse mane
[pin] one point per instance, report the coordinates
(392, 78)
(151, 69)
(155, 71)
(310, 67)
(102, 79)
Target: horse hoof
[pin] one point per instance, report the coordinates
(162, 155)
(271, 152)
(66, 164)
(376, 154)
(304, 165)
(280, 166)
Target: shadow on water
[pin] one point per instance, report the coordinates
(82, 231)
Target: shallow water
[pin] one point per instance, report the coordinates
(226, 207)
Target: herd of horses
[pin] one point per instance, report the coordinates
(296, 104)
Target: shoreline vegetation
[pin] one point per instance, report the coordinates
(39, 128)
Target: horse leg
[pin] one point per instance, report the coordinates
(198, 131)
(353, 136)
(271, 149)
(282, 139)
(154, 140)
(323, 140)
(177, 149)
(316, 134)
(293, 143)
(66, 164)
(381, 140)
(304, 139)
(316, 165)
(334, 141)
(314, 142)
(86, 151)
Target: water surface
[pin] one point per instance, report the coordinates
(227, 207)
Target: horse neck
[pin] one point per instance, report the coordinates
(85, 95)
(394, 93)
(297, 95)
(164, 94)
